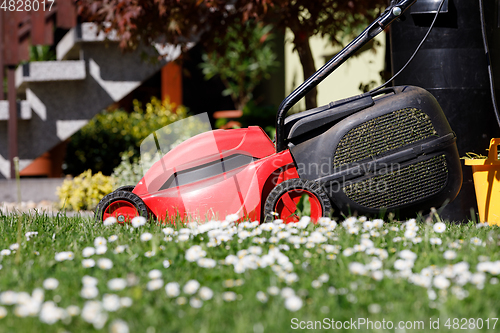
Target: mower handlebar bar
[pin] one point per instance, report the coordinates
(388, 16)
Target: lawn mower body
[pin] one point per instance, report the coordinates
(389, 150)
(215, 174)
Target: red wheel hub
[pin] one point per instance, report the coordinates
(122, 210)
(286, 207)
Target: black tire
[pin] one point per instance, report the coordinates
(126, 188)
(296, 184)
(130, 197)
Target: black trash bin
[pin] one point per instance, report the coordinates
(452, 66)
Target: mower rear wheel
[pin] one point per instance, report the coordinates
(122, 205)
(284, 199)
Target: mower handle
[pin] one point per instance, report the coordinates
(388, 16)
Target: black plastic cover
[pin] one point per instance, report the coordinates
(402, 140)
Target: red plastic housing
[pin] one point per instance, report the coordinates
(205, 178)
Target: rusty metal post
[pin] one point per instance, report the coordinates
(37, 27)
(171, 83)
(12, 126)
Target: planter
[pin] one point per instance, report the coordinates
(486, 174)
(230, 115)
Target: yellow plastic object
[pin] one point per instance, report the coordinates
(486, 174)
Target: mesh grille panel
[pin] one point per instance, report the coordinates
(408, 184)
(382, 134)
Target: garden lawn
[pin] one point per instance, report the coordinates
(61, 274)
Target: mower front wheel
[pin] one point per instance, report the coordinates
(287, 199)
(126, 188)
(122, 205)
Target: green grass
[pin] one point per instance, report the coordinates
(343, 297)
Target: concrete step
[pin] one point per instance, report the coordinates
(69, 46)
(45, 71)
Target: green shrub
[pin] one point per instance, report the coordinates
(84, 191)
(98, 145)
(128, 172)
(244, 58)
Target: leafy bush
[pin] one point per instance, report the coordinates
(98, 145)
(84, 191)
(129, 172)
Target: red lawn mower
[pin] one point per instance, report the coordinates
(386, 150)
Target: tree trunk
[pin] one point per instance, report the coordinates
(301, 42)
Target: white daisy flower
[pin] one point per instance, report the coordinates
(229, 296)
(120, 249)
(88, 263)
(146, 237)
(183, 238)
(441, 282)
(117, 284)
(195, 302)
(261, 296)
(205, 293)
(449, 254)
(50, 283)
(9, 297)
(112, 238)
(110, 221)
(273, 290)
(476, 241)
(89, 292)
(119, 326)
(105, 263)
(172, 289)
(293, 303)
(89, 281)
(408, 255)
(101, 249)
(111, 302)
(138, 221)
(88, 251)
(73, 310)
(316, 284)
(435, 241)
(232, 218)
(100, 241)
(154, 284)
(357, 268)
(154, 274)
(126, 302)
(168, 231)
(417, 240)
(191, 287)
(348, 252)
(439, 227)
(65, 255)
